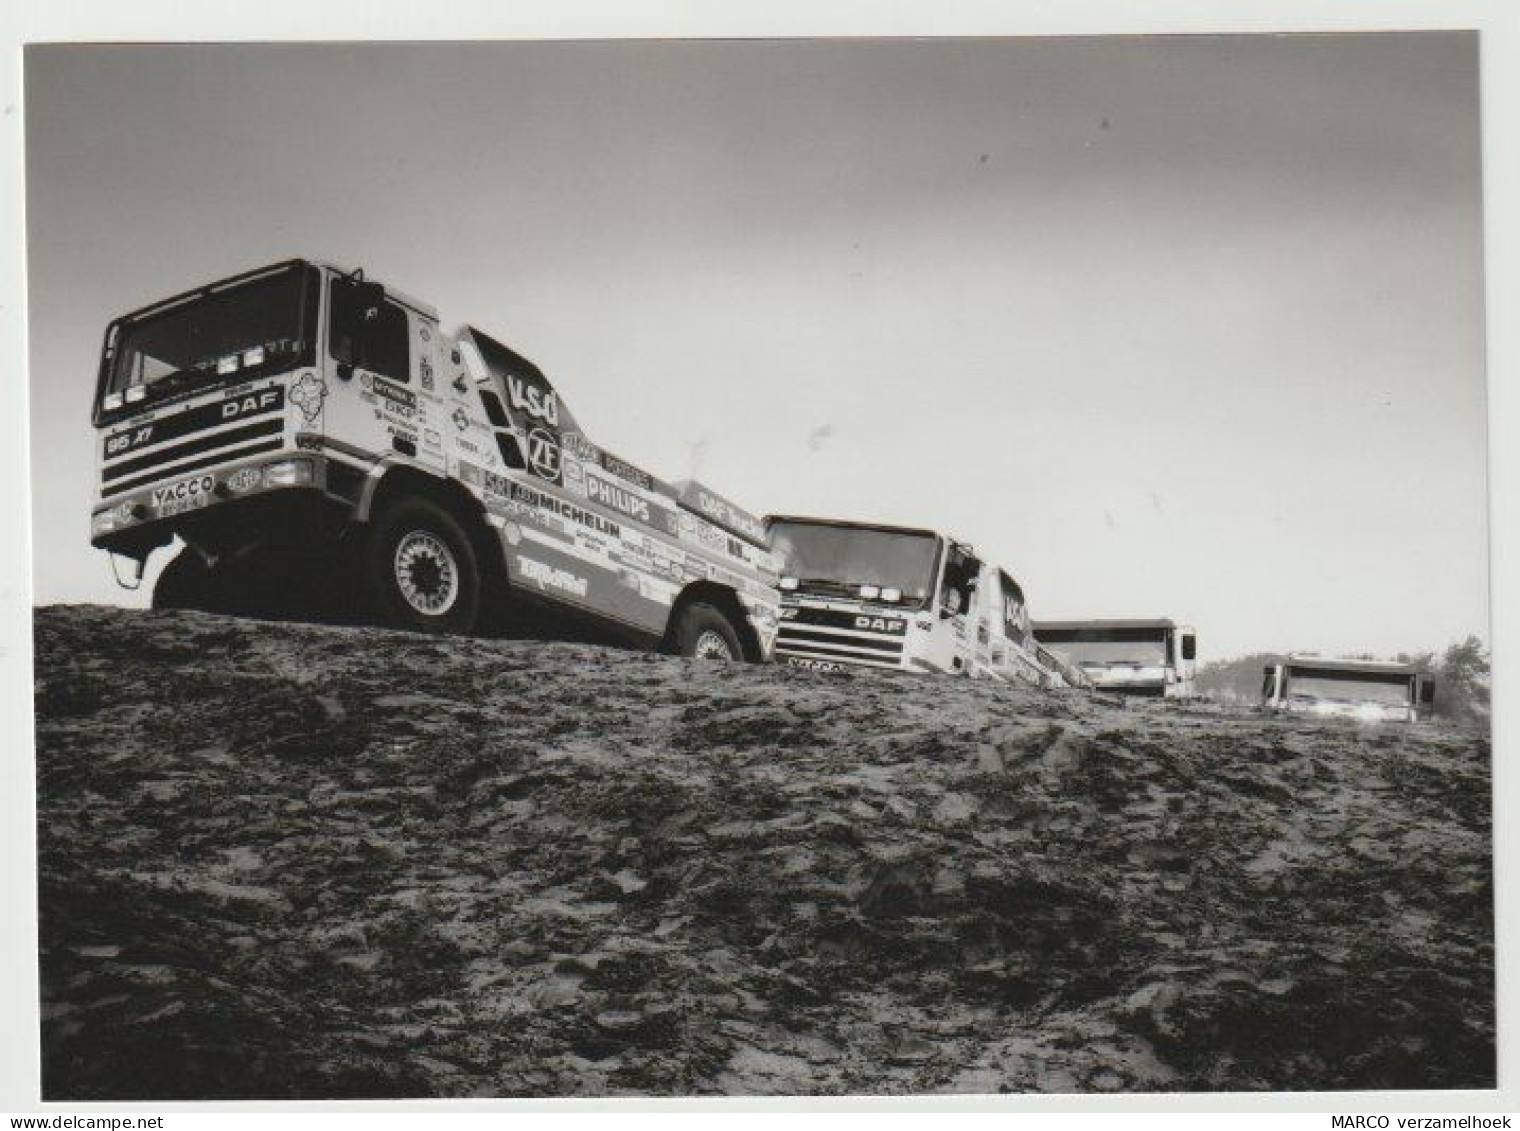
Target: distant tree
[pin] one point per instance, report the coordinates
(1463, 686)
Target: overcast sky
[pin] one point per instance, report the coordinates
(1181, 327)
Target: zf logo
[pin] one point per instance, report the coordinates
(543, 454)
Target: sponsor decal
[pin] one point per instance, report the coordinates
(546, 577)
(544, 454)
(578, 446)
(307, 394)
(425, 368)
(308, 441)
(244, 479)
(461, 418)
(565, 509)
(725, 513)
(625, 470)
(396, 394)
(609, 494)
(186, 495)
(541, 404)
(575, 477)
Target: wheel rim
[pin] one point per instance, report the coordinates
(427, 574)
(711, 646)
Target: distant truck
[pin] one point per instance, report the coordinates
(1368, 690)
(1154, 658)
(895, 597)
(301, 429)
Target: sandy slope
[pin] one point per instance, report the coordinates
(289, 861)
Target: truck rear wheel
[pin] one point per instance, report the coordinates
(423, 570)
(704, 633)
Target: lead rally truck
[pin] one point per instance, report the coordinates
(306, 431)
(1364, 690)
(1143, 658)
(861, 594)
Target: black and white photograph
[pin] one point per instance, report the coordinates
(777, 566)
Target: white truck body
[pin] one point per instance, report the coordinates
(298, 397)
(1143, 657)
(1364, 690)
(889, 597)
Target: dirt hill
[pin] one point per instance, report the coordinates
(283, 861)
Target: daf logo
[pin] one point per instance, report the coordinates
(543, 454)
(879, 624)
(241, 406)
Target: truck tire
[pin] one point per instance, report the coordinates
(704, 633)
(423, 571)
(184, 583)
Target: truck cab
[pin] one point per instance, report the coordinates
(1145, 658)
(895, 597)
(303, 414)
(1363, 690)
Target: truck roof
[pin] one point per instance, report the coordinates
(1101, 625)
(772, 519)
(1391, 667)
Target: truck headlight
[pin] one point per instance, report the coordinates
(869, 592)
(787, 583)
(288, 473)
(136, 393)
(116, 517)
(112, 402)
(892, 595)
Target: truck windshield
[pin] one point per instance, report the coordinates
(1348, 686)
(1146, 646)
(262, 325)
(840, 557)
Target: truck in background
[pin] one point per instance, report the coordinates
(310, 435)
(1155, 658)
(894, 597)
(1367, 690)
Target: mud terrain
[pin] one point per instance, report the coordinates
(281, 861)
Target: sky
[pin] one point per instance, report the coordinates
(1186, 327)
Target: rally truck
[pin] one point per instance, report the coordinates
(857, 593)
(312, 436)
(1143, 658)
(1365, 690)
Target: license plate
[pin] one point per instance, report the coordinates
(186, 495)
(814, 665)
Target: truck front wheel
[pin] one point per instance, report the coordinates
(706, 634)
(423, 569)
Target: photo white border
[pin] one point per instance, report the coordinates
(33, 21)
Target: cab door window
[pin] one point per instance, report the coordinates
(368, 331)
(959, 584)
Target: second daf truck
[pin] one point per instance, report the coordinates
(863, 594)
(302, 429)
(1154, 658)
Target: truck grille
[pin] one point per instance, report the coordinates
(823, 634)
(156, 458)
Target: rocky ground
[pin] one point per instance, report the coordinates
(280, 861)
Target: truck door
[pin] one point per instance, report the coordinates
(1187, 659)
(958, 608)
(374, 405)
